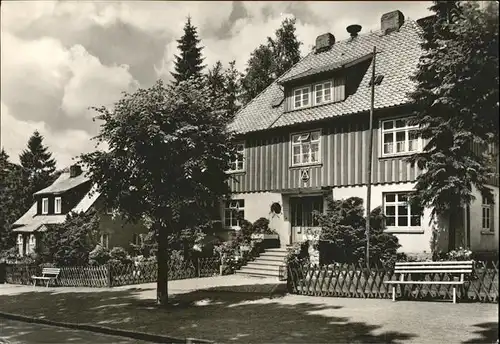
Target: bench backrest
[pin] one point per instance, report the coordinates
(458, 267)
(51, 271)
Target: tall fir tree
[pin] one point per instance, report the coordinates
(38, 163)
(224, 84)
(232, 79)
(456, 108)
(190, 61)
(270, 61)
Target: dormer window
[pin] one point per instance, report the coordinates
(45, 206)
(323, 93)
(301, 97)
(57, 205)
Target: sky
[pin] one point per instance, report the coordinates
(58, 58)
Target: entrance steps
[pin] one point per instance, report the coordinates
(266, 265)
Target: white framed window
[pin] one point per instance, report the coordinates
(109, 211)
(487, 215)
(399, 138)
(234, 210)
(45, 206)
(323, 93)
(238, 164)
(31, 244)
(105, 240)
(138, 239)
(57, 205)
(399, 212)
(301, 97)
(306, 148)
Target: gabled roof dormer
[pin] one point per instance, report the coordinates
(347, 64)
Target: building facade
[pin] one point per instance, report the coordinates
(72, 192)
(306, 137)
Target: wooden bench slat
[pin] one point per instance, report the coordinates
(424, 282)
(458, 271)
(459, 262)
(433, 266)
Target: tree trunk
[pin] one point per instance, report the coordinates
(452, 229)
(162, 259)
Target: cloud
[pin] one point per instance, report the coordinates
(65, 145)
(60, 57)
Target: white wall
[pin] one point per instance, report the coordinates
(483, 241)
(411, 241)
(258, 204)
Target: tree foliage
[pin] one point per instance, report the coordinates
(38, 163)
(70, 243)
(456, 105)
(225, 84)
(169, 148)
(15, 198)
(190, 61)
(269, 61)
(343, 236)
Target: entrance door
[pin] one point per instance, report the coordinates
(302, 216)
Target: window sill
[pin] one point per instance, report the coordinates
(398, 155)
(315, 106)
(405, 230)
(313, 164)
(483, 232)
(236, 172)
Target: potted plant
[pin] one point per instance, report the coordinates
(261, 230)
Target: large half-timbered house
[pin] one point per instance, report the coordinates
(306, 136)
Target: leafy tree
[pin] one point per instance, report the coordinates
(38, 163)
(259, 73)
(189, 63)
(216, 82)
(343, 239)
(285, 47)
(268, 62)
(70, 243)
(456, 107)
(169, 149)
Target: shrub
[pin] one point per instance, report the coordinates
(343, 237)
(118, 255)
(298, 253)
(69, 243)
(99, 255)
(261, 226)
(459, 254)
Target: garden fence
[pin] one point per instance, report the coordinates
(359, 281)
(113, 275)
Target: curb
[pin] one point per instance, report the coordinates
(155, 338)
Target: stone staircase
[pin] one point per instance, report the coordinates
(266, 265)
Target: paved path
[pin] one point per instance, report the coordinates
(17, 332)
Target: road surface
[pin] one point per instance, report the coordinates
(17, 332)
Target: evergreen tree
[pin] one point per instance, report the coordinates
(456, 107)
(38, 163)
(268, 62)
(224, 84)
(14, 198)
(189, 63)
(233, 87)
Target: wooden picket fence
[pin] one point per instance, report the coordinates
(359, 281)
(113, 275)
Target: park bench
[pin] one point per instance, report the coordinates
(48, 275)
(406, 269)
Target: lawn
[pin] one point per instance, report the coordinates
(245, 317)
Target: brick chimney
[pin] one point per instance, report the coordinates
(391, 21)
(74, 171)
(324, 42)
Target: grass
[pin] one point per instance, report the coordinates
(235, 315)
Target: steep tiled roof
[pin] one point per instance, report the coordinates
(397, 59)
(64, 183)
